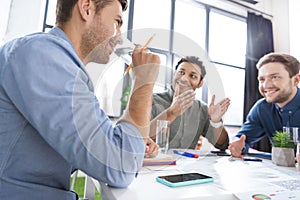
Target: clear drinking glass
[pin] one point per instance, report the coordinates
(298, 154)
(294, 136)
(294, 133)
(124, 49)
(125, 53)
(162, 135)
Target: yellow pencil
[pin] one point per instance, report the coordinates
(143, 48)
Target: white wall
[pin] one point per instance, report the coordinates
(280, 10)
(4, 14)
(294, 15)
(24, 17)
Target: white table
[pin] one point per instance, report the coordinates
(232, 180)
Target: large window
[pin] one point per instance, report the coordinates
(221, 35)
(224, 32)
(190, 19)
(227, 38)
(151, 14)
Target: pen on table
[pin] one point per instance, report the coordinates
(245, 159)
(252, 159)
(143, 48)
(186, 154)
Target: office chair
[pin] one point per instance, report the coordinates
(89, 186)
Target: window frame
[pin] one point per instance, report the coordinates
(170, 55)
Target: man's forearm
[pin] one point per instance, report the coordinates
(140, 105)
(221, 136)
(138, 110)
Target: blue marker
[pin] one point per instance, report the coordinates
(186, 154)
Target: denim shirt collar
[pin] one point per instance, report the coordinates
(56, 31)
(60, 33)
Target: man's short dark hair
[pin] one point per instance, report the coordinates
(64, 8)
(194, 60)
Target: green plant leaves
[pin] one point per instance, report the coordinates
(282, 139)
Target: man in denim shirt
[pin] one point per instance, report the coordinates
(50, 120)
(278, 77)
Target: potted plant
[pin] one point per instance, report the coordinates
(283, 149)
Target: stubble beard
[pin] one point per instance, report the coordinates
(93, 48)
(283, 95)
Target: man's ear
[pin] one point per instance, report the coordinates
(84, 7)
(200, 84)
(297, 79)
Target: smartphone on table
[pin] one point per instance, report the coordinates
(177, 180)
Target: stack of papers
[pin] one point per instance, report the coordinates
(160, 159)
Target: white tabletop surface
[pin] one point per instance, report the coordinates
(232, 180)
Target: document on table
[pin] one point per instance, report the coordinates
(274, 193)
(278, 186)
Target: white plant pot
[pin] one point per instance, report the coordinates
(283, 156)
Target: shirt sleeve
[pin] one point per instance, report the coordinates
(50, 88)
(252, 128)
